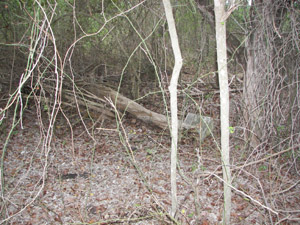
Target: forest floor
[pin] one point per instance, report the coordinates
(99, 182)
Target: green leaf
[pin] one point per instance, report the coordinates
(194, 168)
(191, 215)
(262, 168)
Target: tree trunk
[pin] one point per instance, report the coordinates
(173, 100)
(224, 98)
(259, 70)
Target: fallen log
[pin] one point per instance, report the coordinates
(126, 104)
(203, 124)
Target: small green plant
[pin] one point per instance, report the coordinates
(45, 107)
(150, 151)
(137, 205)
(208, 96)
(280, 128)
(191, 215)
(237, 147)
(262, 168)
(231, 130)
(194, 168)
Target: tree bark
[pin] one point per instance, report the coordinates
(173, 100)
(220, 16)
(126, 104)
(257, 81)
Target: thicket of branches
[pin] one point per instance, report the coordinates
(271, 88)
